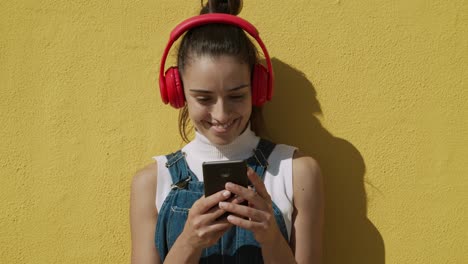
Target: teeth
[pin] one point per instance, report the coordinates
(225, 125)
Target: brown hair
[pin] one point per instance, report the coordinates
(216, 40)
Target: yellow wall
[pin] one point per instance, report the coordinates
(375, 90)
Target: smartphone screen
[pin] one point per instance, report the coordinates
(217, 173)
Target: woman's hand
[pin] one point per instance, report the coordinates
(258, 217)
(203, 228)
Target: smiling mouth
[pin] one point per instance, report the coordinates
(221, 128)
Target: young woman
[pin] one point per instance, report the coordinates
(220, 87)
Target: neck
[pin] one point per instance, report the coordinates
(201, 149)
(234, 150)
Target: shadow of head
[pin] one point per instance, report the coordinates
(291, 118)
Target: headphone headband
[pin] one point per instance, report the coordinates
(215, 18)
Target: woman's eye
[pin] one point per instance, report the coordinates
(237, 97)
(203, 99)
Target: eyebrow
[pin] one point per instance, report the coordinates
(229, 90)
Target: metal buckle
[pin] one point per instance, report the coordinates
(181, 184)
(172, 162)
(261, 153)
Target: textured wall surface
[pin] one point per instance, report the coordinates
(376, 91)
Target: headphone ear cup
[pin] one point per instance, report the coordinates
(259, 85)
(163, 89)
(173, 88)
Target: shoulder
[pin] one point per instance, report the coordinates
(145, 180)
(307, 176)
(304, 164)
(146, 175)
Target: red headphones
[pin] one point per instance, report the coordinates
(170, 83)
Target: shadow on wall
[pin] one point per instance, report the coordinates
(350, 237)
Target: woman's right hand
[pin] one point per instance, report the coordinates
(203, 228)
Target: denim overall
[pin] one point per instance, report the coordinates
(237, 245)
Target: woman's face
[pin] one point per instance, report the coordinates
(217, 90)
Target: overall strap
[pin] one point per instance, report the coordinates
(178, 170)
(259, 160)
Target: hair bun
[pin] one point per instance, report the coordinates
(232, 7)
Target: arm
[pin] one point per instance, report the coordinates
(201, 229)
(143, 216)
(306, 233)
(308, 214)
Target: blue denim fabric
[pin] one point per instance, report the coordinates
(237, 245)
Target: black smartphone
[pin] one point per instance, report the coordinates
(217, 173)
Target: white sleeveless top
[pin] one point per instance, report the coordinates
(278, 177)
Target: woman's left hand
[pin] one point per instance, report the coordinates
(258, 216)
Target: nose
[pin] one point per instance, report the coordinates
(220, 111)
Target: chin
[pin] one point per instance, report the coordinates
(222, 138)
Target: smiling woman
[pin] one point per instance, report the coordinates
(218, 97)
(220, 87)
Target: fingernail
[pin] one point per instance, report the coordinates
(222, 204)
(226, 193)
(229, 185)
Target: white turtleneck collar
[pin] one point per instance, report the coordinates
(201, 149)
